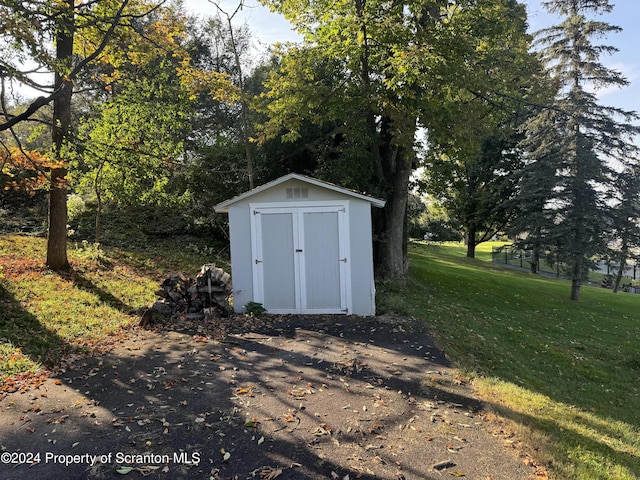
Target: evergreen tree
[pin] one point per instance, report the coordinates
(626, 221)
(576, 140)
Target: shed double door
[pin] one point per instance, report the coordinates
(301, 261)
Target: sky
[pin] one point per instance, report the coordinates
(271, 28)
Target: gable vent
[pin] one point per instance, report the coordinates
(297, 192)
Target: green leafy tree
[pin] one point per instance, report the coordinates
(41, 36)
(573, 143)
(132, 140)
(128, 63)
(477, 189)
(219, 156)
(245, 125)
(132, 148)
(396, 67)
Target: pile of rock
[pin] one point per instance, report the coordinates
(208, 293)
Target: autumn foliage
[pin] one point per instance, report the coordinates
(24, 171)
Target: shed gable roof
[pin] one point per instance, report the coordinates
(223, 207)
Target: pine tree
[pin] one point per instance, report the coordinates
(626, 221)
(576, 140)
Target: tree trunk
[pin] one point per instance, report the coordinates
(576, 278)
(535, 260)
(244, 108)
(535, 251)
(393, 262)
(57, 237)
(575, 289)
(471, 243)
(96, 188)
(471, 249)
(623, 263)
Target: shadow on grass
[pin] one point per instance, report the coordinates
(595, 452)
(20, 329)
(578, 356)
(103, 295)
(159, 257)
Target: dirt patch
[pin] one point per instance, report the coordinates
(288, 398)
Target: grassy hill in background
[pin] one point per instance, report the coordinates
(565, 373)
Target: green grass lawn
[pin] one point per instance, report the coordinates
(46, 315)
(565, 373)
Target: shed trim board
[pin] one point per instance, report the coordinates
(301, 258)
(223, 206)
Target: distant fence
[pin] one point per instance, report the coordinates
(509, 255)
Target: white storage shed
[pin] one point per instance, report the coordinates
(301, 245)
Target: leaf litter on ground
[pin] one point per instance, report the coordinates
(353, 418)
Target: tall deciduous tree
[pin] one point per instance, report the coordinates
(129, 151)
(221, 154)
(132, 141)
(574, 143)
(396, 64)
(39, 37)
(244, 106)
(477, 188)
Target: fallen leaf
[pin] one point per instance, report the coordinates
(248, 390)
(443, 465)
(267, 473)
(60, 419)
(322, 429)
(147, 469)
(124, 470)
